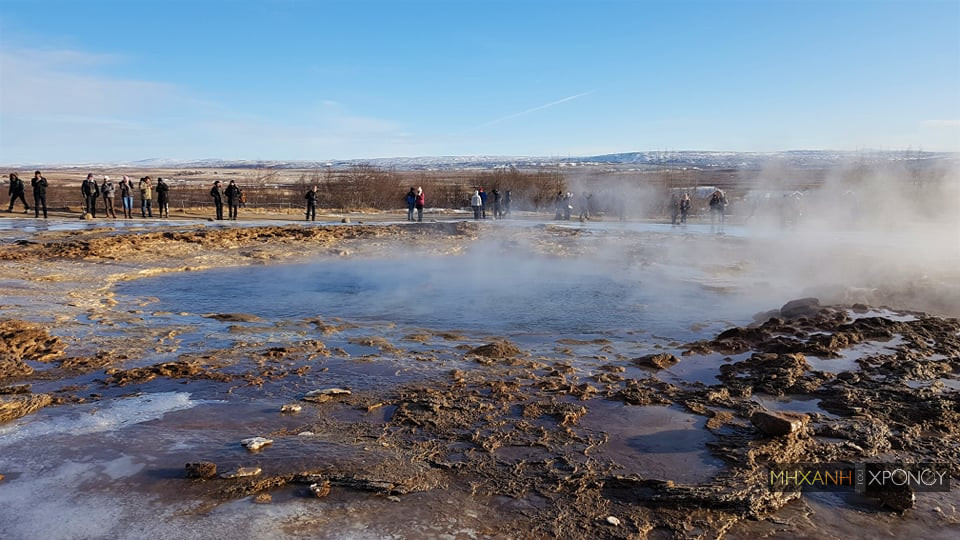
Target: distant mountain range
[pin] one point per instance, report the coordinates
(629, 160)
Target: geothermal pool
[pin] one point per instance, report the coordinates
(581, 302)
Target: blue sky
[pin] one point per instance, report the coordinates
(93, 80)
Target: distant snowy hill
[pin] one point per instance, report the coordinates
(627, 160)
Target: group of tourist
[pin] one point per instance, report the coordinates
(234, 197)
(501, 203)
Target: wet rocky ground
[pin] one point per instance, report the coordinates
(445, 431)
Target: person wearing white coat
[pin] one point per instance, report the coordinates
(477, 203)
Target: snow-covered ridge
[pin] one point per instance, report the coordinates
(679, 159)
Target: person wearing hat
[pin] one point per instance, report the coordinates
(217, 195)
(16, 192)
(39, 184)
(233, 199)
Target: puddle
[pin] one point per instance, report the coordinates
(848, 357)
(657, 442)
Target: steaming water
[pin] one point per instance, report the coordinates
(508, 295)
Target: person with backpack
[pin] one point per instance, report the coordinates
(311, 198)
(217, 195)
(411, 203)
(126, 197)
(39, 184)
(163, 201)
(233, 199)
(90, 191)
(107, 190)
(16, 192)
(146, 197)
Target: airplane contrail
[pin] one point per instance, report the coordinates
(539, 108)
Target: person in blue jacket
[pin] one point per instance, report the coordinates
(411, 203)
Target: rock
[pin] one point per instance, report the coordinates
(291, 408)
(899, 501)
(201, 469)
(241, 472)
(255, 443)
(656, 361)
(86, 217)
(325, 394)
(393, 498)
(803, 307)
(613, 520)
(15, 406)
(320, 489)
(497, 349)
(233, 317)
(778, 423)
(345, 220)
(263, 498)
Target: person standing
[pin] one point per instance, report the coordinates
(16, 192)
(674, 208)
(126, 197)
(311, 198)
(411, 203)
(420, 203)
(684, 207)
(146, 197)
(506, 203)
(497, 213)
(559, 203)
(217, 193)
(90, 190)
(233, 199)
(476, 203)
(718, 203)
(39, 184)
(163, 202)
(107, 191)
(483, 202)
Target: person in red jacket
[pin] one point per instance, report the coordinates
(419, 203)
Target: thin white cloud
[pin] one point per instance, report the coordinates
(532, 110)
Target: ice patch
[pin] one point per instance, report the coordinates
(96, 418)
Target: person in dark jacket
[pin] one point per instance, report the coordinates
(90, 190)
(718, 204)
(411, 203)
(233, 199)
(684, 207)
(217, 195)
(497, 210)
(126, 197)
(506, 203)
(163, 202)
(311, 198)
(107, 190)
(420, 203)
(39, 184)
(16, 192)
(483, 203)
